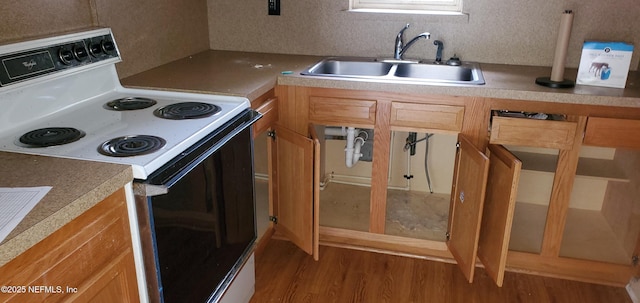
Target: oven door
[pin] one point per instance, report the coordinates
(202, 214)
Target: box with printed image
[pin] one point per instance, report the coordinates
(604, 63)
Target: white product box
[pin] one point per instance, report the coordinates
(604, 63)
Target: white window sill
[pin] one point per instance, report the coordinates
(437, 16)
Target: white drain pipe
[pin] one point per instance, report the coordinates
(355, 139)
(354, 143)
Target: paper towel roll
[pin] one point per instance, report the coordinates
(559, 60)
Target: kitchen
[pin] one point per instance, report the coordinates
(172, 30)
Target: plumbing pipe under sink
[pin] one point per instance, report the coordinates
(354, 144)
(355, 139)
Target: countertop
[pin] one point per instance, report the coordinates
(249, 75)
(76, 186)
(252, 74)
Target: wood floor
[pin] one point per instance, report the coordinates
(286, 274)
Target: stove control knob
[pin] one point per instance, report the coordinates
(95, 49)
(65, 55)
(80, 52)
(108, 46)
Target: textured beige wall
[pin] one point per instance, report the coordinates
(148, 32)
(496, 31)
(23, 19)
(153, 32)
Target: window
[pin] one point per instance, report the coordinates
(434, 6)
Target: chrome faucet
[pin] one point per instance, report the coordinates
(401, 47)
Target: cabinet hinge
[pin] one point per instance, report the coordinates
(457, 145)
(448, 235)
(272, 134)
(273, 219)
(634, 260)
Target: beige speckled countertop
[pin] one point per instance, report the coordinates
(252, 74)
(76, 187)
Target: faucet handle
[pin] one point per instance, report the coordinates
(403, 29)
(401, 32)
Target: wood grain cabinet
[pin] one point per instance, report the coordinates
(268, 107)
(519, 193)
(298, 167)
(572, 214)
(90, 259)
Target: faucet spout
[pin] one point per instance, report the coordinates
(412, 41)
(400, 47)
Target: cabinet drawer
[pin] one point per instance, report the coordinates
(342, 111)
(269, 111)
(531, 132)
(611, 132)
(408, 116)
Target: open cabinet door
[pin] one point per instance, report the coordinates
(295, 208)
(499, 205)
(467, 199)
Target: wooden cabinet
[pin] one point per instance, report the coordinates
(531, 132)
(298, 198)
(574, 216)
(611, 132)
(90, 259)
(338, 111)
(411, 116)
(267, 105)
(485, 214)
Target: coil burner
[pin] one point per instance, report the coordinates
(187, 110)
(51, 136)
(128, 146)
(130, 103)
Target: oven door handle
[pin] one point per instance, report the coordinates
(160, 183)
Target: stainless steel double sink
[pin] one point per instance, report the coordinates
(397, 70)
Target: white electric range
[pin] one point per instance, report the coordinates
(61, 97)
(40, 90)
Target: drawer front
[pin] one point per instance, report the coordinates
(531, 132)
(610, 132)
(342, 111)
(409, 116)
(269, 111)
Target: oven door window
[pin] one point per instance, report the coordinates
(205, 223)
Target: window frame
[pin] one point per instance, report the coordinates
(443, 6)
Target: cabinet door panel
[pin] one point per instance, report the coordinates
(499, 205)
(316, 192)
(294, 172)
(531, 132)
(467, 199)
(342, 111)
(269, 111)
(610, 132)
(409, 116)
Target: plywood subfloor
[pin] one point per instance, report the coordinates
(286, 274)
(420, 215)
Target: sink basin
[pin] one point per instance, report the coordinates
(463, 73)
(397, 71)
(348, 67)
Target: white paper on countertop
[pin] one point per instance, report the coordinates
(16, 203)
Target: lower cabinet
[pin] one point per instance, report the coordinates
(528, 195)
(90, 259)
